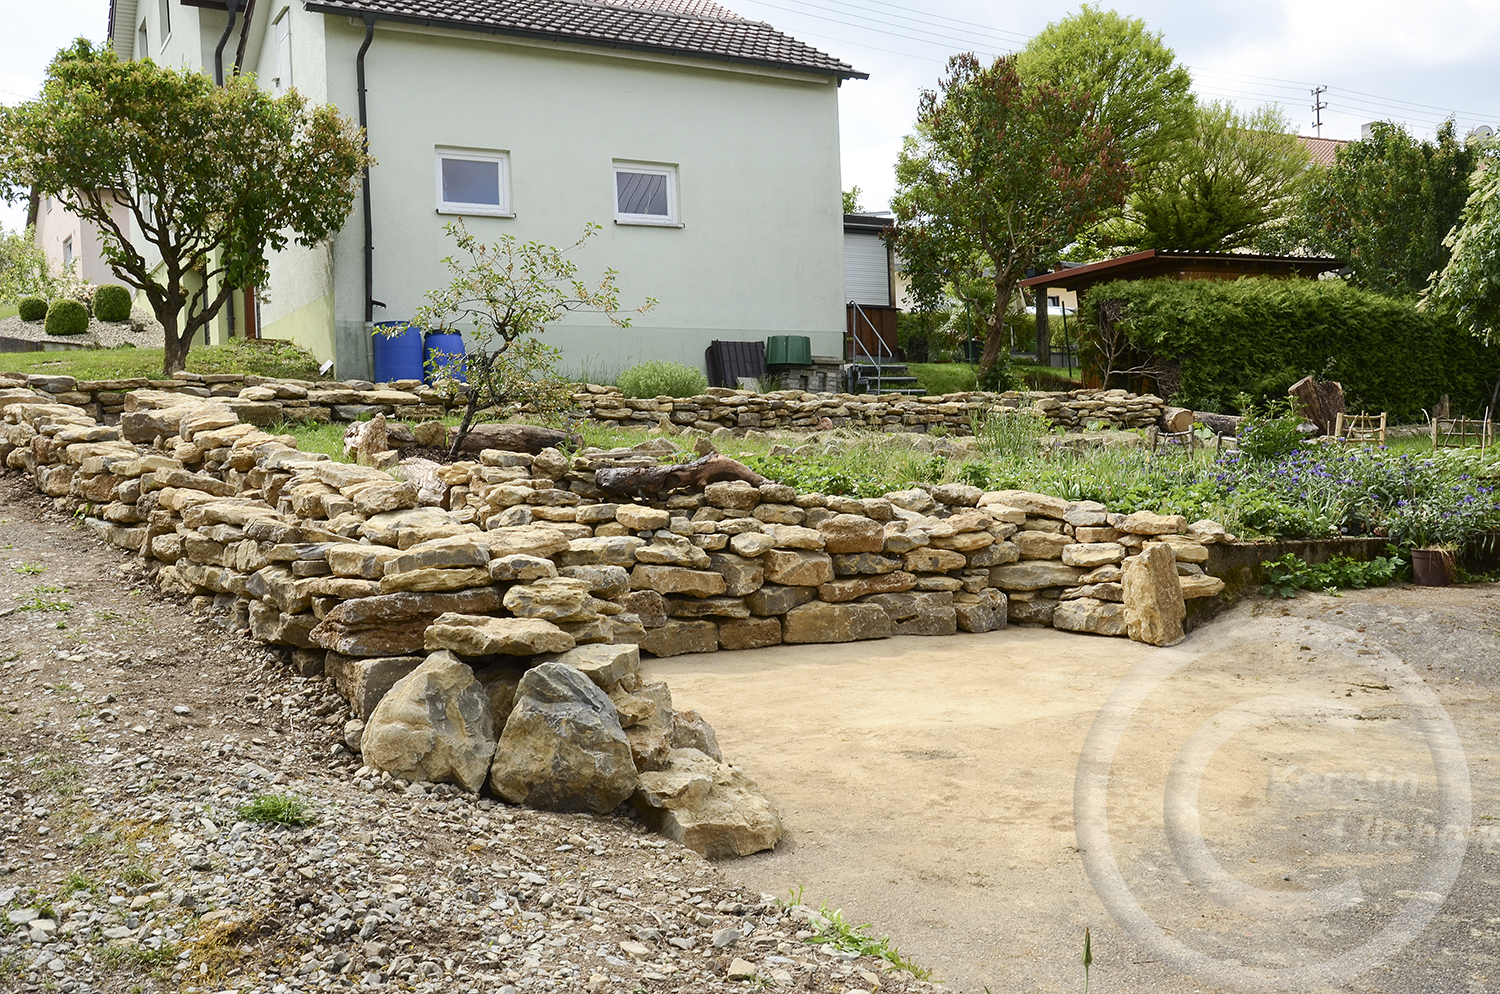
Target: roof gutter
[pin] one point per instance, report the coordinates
(232, 5)
(364, 127)
(564, 39)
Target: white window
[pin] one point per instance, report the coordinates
(645, 194)
(473, 182)
(165, 9)
(282, 81)
(68, 251)
(141, 51)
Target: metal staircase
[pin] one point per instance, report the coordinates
(878, 373)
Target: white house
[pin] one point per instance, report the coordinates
(706, 144)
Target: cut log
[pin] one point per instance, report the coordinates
(1176, 420)
(646, 480)
(1320, 403)
(511, 438)
(1219, 424)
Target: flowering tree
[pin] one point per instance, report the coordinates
(209, 177)
(505, 295)
(1470, 283)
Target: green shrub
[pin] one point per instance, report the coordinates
(1270, 432)
(1251, 336)
(276, 809)
(112, 303)
(67, 317)
(32, 308)
(656, 378)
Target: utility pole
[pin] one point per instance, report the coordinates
(1318, 107)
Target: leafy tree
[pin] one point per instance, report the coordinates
(998, 177)
(1469, 285)
(851, 200)
(1387, 204)
(209, 177)
(1127, 80)
(505, 295)
(1231, 184)
(24, 270)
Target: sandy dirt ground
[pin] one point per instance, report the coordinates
(1302, 796)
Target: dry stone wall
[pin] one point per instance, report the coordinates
(262, 401)
(489, 631)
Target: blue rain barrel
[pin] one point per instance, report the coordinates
(399, 356)
(442, 349)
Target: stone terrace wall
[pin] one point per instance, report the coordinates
(262, 401)
(524, 563)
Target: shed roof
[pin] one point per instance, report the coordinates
(1158, 262)
(693, 28)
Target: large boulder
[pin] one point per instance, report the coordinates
(1154, 606)
(563, 748)
(708, 806)
(820, 621)
(433, 725)
(480, 635)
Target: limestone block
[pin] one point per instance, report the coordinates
(1087, 514)
(1088, 614)
(1092, 555)
(819, 621)
(864, 564)
(562, 748)
(678, 637)
(707, 607)
(435, 579)
(667, 549)
(779, 514)
(900, 538)
(996, 554)
(1153, 598)
(1102, 533)
(603, 581)
(637, 518)
(276, 627)
(984, 615)
(552, 599)
(541, 540)
(458, 550)
(1206, 531)
(1147, 523)
(1200, 586)
(379, 496)
(916, 500)
(406, 528)
(713, 809)
(1185, 549)
(606, 665)
(434, 724)
(929, 560)
(751, 544)
(614, 550)
(595, 629)
(649, 730)
(1038, 505)
(838, 591)
(732, 495)
(677, 580)
(690, 731)
(850, 533)
(481, 635)
(774, 599)
(1034, 575)
(957, 494)
(749, 633)
(521, 567)
(797, 567)
(648, 606)
(1034, 612)
(363, 682)
(966, 542)
(1041, 545)
(741, 575)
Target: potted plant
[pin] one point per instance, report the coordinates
(1437, 525)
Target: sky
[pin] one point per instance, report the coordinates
(1416, 63)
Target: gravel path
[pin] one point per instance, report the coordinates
(102, 334)
(136, 739)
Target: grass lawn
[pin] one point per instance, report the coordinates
(9, 311)
(955, 377)
(265, 357)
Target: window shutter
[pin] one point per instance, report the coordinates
(867, 278)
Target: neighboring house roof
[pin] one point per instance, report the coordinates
(870, 224)
(1157, 262)
(693, 28)
(1322, 150)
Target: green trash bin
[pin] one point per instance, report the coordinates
(788, 350)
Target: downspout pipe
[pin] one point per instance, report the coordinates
(364, 126)
(233, 6)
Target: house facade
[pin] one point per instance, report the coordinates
(704, 144)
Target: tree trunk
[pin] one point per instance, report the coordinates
(174, 358)
(1176, 420)
(1221, 424)
(648, 480)
(511, 438)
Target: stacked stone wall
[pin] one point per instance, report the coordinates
(262, 401)
(519, 560)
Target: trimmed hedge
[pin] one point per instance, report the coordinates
(112, 303)
(31, 308)
(67, 317)
(1259, 335)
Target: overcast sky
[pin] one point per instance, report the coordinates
(1380, 59)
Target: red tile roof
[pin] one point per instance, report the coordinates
(1323, 150)
(693, 28)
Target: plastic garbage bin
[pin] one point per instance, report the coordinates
(788, 350)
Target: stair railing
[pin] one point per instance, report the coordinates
(857, 347)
